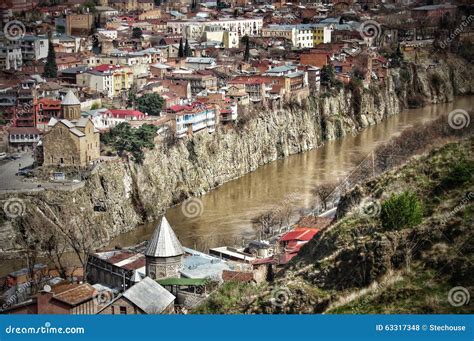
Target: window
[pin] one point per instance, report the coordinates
(123, 310)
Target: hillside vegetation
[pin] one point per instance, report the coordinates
(404, 255)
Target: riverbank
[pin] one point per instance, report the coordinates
(128, 194)
(369, 263)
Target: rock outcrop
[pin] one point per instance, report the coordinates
(119, 195)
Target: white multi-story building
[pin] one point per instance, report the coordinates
(189, 119)
(32, 48)
(301, 36)
(194, 29)
(228, 39)
(10, 58)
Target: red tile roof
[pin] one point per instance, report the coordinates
(122, 113)
(301, 234)
(106, 67)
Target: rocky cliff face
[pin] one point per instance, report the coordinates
(119, 195)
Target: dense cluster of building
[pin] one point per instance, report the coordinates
(75, 69)
(208, 61)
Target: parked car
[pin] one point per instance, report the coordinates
(3, 156)
(23, 172)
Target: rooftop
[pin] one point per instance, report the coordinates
(164, 242)
(149, 296)
(73, 294)
(70, 99)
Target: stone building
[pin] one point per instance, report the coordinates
(164, 254)
(72, 141)
(71, 107)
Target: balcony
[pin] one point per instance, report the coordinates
(199, 126)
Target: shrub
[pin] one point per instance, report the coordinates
(401, 211)
(95, 105)
(459, 174)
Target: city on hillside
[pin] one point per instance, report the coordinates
(123, 116)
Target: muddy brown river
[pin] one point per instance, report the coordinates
(227, 211)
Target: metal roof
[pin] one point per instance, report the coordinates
(70, 99)
(149, 296)
(164, 242)
(182, 281)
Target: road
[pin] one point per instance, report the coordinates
(8, 169)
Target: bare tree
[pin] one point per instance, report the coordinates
(323, 192)
(263, 222)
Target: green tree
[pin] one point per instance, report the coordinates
(96, 45)
(181, 49)
(401, 211)
(137, 33)
(51, 68)
(187, 49)
(247, 49)
(150, 104)
(89, 6)
(3, 121)
(124, 138)
(328, 76)
(132, 95)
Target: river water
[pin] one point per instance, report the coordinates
(227, 211)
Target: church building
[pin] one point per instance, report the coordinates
(164, 254)
(72, 141)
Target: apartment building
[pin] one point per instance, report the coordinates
(109, 80)
(10, 58)
(301, 36)
(194, 29)
(190, 119)
(33, 48)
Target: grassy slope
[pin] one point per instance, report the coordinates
(338, 271)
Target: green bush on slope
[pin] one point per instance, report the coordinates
(401, 211)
